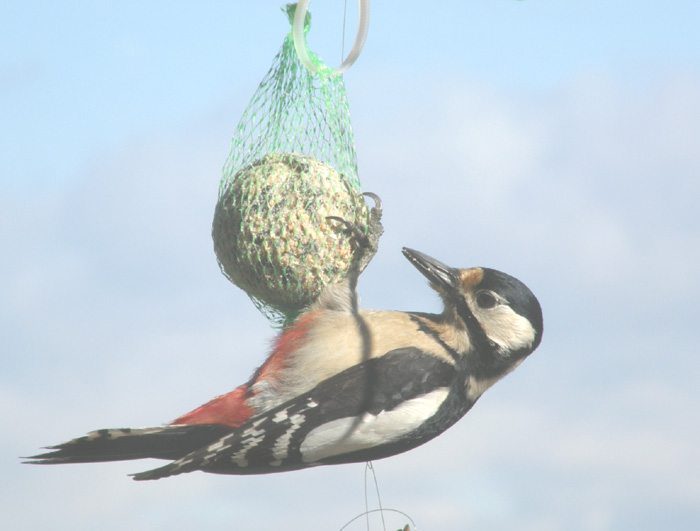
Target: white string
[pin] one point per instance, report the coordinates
(379, 499)
(384, 510)
(381, 510)
(345, 12)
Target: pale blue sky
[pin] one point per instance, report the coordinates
(557, 141)
(78, 76)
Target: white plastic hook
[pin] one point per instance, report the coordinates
(303, 50)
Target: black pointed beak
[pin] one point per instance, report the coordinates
(444, 278)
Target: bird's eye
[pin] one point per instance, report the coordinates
(486, 300)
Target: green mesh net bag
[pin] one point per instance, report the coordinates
(292, 165)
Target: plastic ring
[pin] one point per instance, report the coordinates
(303, 50)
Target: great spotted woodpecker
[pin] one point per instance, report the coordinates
(343, 385)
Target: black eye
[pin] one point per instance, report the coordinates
(486, 300)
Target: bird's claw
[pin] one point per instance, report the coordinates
(358, 235)
(366, 239)
(378, 206)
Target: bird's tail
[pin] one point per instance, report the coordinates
(164, 442)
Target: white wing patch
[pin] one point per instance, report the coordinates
(350, 434)
(251, 439)
(281, 449)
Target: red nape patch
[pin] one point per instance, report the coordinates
(229, 409)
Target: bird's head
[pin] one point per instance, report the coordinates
(499, 313)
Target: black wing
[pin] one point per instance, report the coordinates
(377, 408)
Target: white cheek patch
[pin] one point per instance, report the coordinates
(507, 328)
(350, 434)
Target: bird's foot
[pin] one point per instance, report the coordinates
(364, 238)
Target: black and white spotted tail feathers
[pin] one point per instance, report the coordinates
(165, 442)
